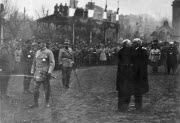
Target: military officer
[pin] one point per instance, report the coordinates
(43, 63)
(172, 53)
(66, 61)
(28, 56)
(5, 71)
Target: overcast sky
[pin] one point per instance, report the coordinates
(156, 8)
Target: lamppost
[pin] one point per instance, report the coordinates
(1, 21)
(117, 20)
(71, 14)
(105, 19)
(90, 16)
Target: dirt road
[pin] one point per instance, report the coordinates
(94, 102)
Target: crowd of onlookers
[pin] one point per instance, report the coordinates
(93, 55)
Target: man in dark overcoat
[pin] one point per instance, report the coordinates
(172, 53)
(140, 62)
(5, 71)
(124, 82)
(28, 57)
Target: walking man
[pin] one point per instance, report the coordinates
(43, 63)
(66, 61)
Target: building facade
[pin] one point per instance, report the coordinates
(176, 19)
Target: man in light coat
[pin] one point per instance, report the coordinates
(43, 63)
(66, 62)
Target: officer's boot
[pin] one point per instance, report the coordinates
(67, 81)
(47, 98)
(63, 81)
(25, 85)
(36, 97)
(28, 85)
(138, 102)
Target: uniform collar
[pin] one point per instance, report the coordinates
(43, 49)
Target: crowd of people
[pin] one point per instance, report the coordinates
(132, 59)
(159, 53)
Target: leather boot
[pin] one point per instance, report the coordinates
(47, 97)
(36, 97)
(138, 102)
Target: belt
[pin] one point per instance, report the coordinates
(66, 58)
(126, 65)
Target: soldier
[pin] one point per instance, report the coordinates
(65, 10)
(155, 55)
(5, 71)
(61, 9)
(56, 8)
(140, 62)
(66, 61)
(43, 63)
(28, 56)
(172, 53)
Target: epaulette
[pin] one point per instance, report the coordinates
(144, 48)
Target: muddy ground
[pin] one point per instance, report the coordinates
(95, 101)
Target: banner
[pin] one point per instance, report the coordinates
(90, 13)
(71, 12)
(105, 15)
(117, 17)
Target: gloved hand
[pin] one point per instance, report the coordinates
(74, 66)
(49, 75)
(60, 67)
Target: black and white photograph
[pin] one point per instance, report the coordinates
(89, 61)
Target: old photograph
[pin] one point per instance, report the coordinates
(89, 61)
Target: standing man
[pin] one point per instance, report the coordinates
(28, 56)
(172, 53)
(140, 62)
(43, 63)
(66, 62)
(5, 71)
(124, 82)
(154, 56)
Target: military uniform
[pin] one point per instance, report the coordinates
(172, 53)
(155, 55)
(28, 56)
(5, 71)
(43, 62)
(66, 60)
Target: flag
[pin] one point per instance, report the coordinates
(71, 12)
(117, 17)
(105, 15)
(90, 13)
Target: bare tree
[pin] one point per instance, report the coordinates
(8, 8)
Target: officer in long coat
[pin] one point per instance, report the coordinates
(43, 63)
(5, 71)
(28, 56)
(140, 62)
(124, 82)
(66, 61)
(172, 53)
